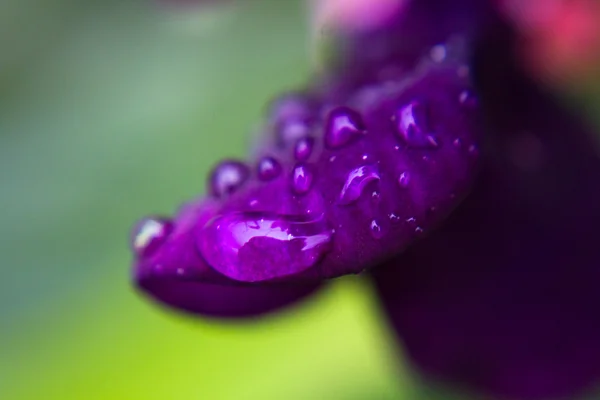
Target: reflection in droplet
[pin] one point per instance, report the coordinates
(343, 125)
(301, 179)
(404, 179)
(376, 229)
(149, 234)
(304, 148)
(412, 126)
(356, 181)
(254, 247)
(227, 177)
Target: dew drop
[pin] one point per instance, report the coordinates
(149, 234)
(468, 99)
(438, 53)
(343, 125)
(411, 125)
(393, 217)
(376, 196)
(253, 247)
(268, 168)
(304, 148)
(419, 230)
(356, 181)
(473, 150)
(376, 229)
(301, 179)
(404, 179)
(227, 177)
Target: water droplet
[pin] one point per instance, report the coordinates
(411, 220)
(355, 183)
(376, 229)
(438, 53)
(149, 234)
(404, 179)
(394, 218)
(411, 125)
(268, 168)
(457, 143)
(301, 179)
(227, 177)
(376, 196)
(332, 159)
(365, 157)
(180, 271)
(304, 148)
(419, 230)
(253, 203)
(253, 247)
(466, 98)
(343, 125)
(473, 150)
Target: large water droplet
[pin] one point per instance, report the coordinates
(343, 125)
(411, 125)
(268, 168)
(304, 148)
(149, 234)
(301, 179)
(356, 181)
(227, 177)
(254, 247)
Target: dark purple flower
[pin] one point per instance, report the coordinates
(366, 169)
(503, 297)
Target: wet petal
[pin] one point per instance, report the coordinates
(169, 269)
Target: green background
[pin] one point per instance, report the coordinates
(110, 110)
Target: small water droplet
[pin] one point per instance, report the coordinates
(394, 217)
(343, 125)
(404, 179)
(253, 202)
(376, 229)
(149, 234)
(227, 177)
(411, 220)
(438, 53)
(332, 159)
(411, 125)
(180, 271)
(355, 183)
(396, 147)
(457, 143)
(376, 196)
(268, 168)
(254, 247)
(301, 179)
(473, 150)
(468, 99)
(463, 71)
(419, 230)
(304, 148)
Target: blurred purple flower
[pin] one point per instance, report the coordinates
(367, 168)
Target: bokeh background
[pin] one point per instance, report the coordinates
(113, 109)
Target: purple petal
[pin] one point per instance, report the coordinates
(343, 201)
(170, 270)
(503, 297)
